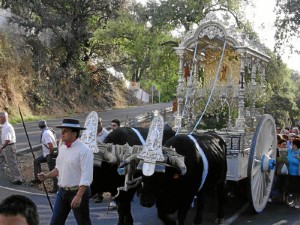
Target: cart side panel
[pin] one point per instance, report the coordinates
(237, 154)
(237, 166)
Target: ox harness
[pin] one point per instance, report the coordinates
(204, 159)
(142, 140)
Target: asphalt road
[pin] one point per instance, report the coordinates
(237, 211)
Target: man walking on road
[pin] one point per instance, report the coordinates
(74, 168)
(8, 149)
(48, 142)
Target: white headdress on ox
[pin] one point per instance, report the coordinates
(90, 134)
(89, 137)
(152, 150)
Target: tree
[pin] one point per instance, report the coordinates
(173, 14)
(125, 42)
(70, 21)
(282, 102)
(287, 24)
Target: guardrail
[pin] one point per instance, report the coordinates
(147, 117)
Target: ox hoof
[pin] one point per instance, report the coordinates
(219, 220)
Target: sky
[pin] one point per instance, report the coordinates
(262, 17)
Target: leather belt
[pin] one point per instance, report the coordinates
(75, 188)
(7, 145)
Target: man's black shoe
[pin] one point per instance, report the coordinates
(35, 181)
(17, 182)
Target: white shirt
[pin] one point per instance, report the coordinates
(100, 137)
(8, 133)
(75, 165)
(47, 137)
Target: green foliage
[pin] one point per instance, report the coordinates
(171, 14)
(282, 98)
(209, 122)
(57, 34)
(138, 51)
(68, 21)
(287, 24)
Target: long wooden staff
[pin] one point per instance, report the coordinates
(48, 198)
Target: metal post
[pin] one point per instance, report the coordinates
(152, 92)
(159, 97)
(134, 122)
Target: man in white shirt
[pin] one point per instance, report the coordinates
(48, 142)
(8, 149)
(74, 168)
(102, 132)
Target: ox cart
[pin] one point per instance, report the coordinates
(222, 82)
(221, 88)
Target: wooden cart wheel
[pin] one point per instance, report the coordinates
(261, 164)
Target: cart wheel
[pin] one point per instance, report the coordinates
(261, 164)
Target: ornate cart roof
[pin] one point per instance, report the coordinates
(219, 30)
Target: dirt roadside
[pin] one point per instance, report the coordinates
(25, 161)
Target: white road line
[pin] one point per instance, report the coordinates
(25, 192)
(236, 215)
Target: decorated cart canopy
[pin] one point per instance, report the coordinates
(234, 81)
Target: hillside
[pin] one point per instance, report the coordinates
(48, 90)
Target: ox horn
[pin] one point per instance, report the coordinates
(178, 163)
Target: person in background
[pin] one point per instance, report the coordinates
(293, 159)
(101, 135)
(295, 130)
(290, 140)
(278, 130)
(114, 124)
(48, 142)
(18, 210)
(281, 180)
(8, 149)
(285, 137)
(74, 168)
(101, 132)
(285, 131)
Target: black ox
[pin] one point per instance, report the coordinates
(173, 192)
(106, 177)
